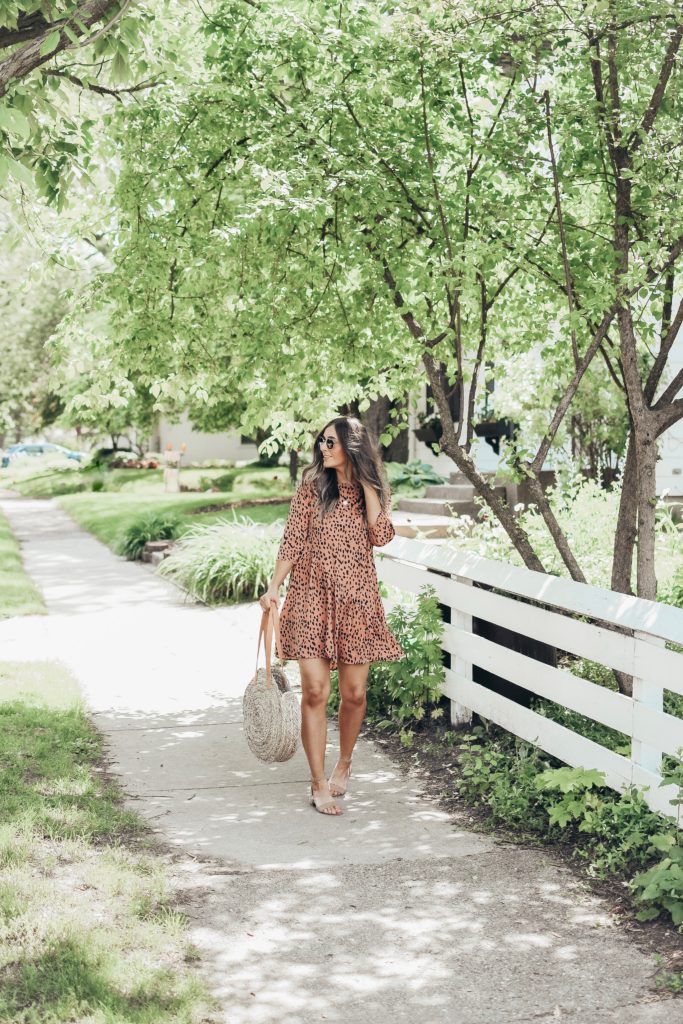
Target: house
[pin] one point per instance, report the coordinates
(229, 446)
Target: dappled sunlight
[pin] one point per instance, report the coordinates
(414, 935)
(391, 911)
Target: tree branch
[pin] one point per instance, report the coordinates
(648, 119)
(27, 58)
(569, 286)
(102, 90)
(671, 391)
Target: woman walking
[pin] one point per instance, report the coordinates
(333, 615)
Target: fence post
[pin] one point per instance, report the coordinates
(461, 715)
(649, 692)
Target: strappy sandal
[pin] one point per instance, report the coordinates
(322, 803)
(338, 790)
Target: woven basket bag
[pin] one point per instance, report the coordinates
(272, 715)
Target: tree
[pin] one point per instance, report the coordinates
(131, 421)
(407, 191)
(32, 304)
(56, 61)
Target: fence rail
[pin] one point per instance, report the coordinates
(620, 632)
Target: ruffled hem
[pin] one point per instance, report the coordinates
(349, 633)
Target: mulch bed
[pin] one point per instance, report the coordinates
(242, 503)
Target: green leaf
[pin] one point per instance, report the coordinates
(649, 914)
(21, 173)
(14, 123)
(50, 43)
(663, 842)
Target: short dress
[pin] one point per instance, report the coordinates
(333, 607)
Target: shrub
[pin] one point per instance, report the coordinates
(661, 888)
(229, 560)
(588, 515)
(153, 526)
(224, 482)
(413, 474)
(498, 769)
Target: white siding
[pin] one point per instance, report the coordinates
(203, 446)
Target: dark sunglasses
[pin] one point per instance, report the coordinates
(329, 441)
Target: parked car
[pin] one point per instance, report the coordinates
(40, 448)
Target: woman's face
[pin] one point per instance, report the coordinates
(335, 457)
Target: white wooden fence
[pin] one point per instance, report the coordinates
(567, 621)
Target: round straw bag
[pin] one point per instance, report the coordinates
(272, 716)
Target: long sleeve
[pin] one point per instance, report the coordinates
(383, 529)
(296, 528)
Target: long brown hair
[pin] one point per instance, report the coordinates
(366, 464)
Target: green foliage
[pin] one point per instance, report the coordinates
(153, 526)
(50, 109)
(497, 769)
(223, 482)
(665, 979)
(587, 515)
(672, 592)
(615, 834)
(402, 692)
(413, 474)
(229, 560)
(316, 202)
(661, 887)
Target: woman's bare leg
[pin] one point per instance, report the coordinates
(353, 682)
(315, 691)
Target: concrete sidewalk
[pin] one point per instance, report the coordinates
(393, 912)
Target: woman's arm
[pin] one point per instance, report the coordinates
(380, 527)
(282, 570)
(292, 544)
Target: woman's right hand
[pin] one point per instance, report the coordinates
(271, 594)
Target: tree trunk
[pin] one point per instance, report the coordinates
(376, 418)
(555, 530)
(464, 462)
(293, 465)
(646, 457)
(627, 524)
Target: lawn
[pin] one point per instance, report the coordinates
(108, 515)
(123, 495)
(45, 477)
(68, 843)
(18, 595)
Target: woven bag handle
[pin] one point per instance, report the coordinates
(270, 622)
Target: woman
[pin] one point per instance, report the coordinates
(333, 616)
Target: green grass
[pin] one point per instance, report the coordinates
(18, 595)
(108, 515)
(68, 844)
(133, 493)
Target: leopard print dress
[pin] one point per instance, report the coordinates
(333, 608)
